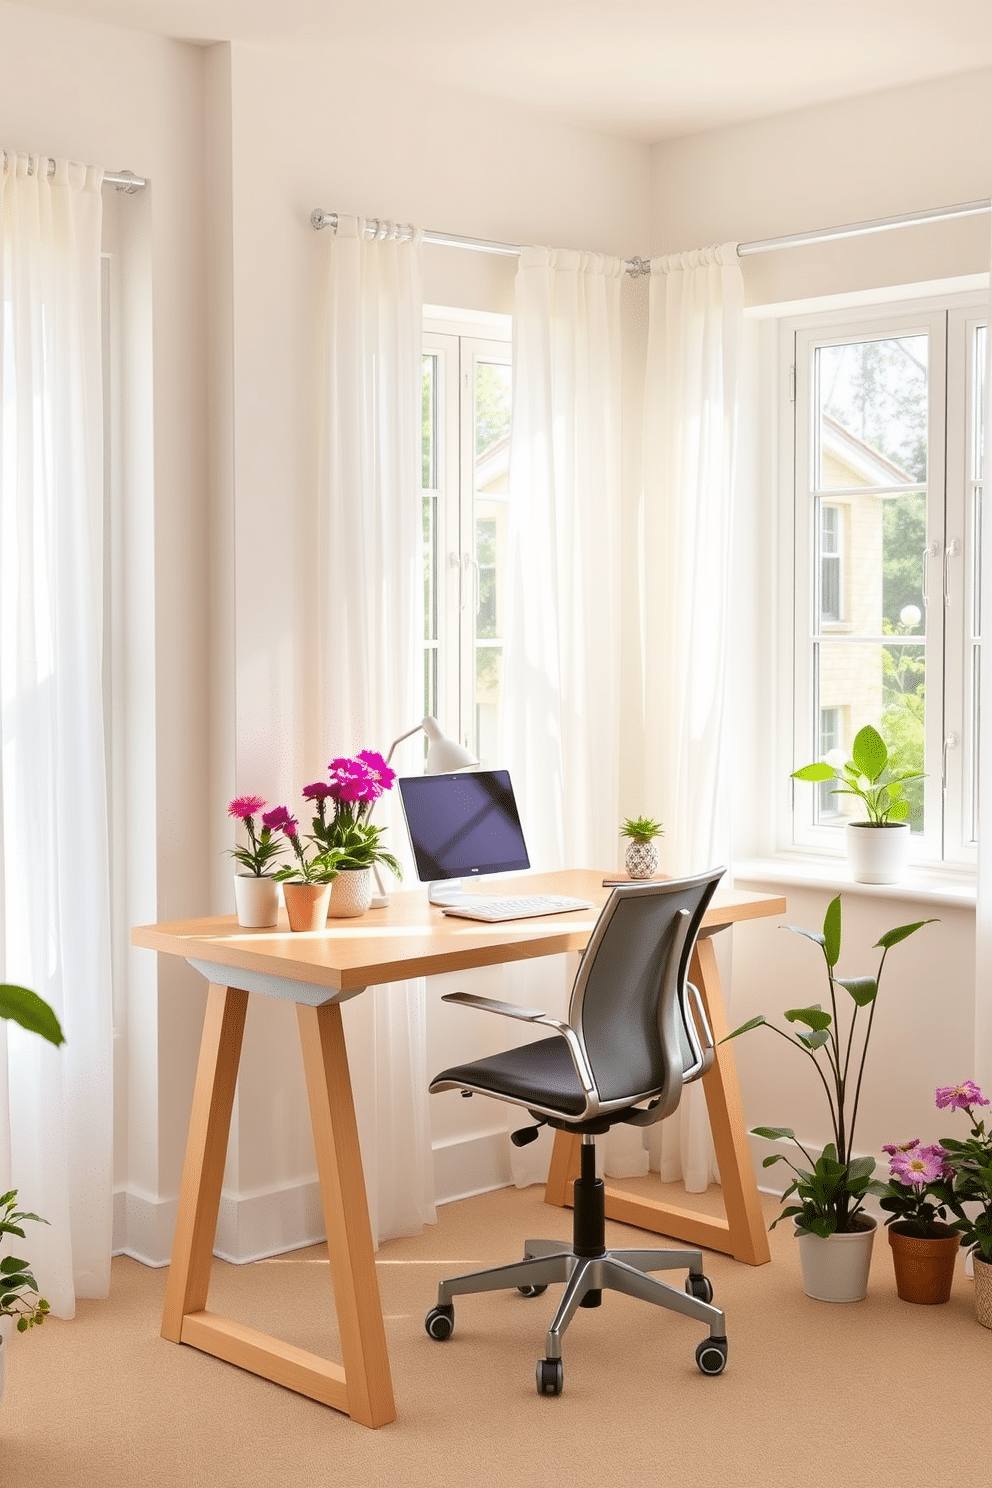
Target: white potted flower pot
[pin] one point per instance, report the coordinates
(836, 1269)
(877, 854)
(257, 901)
(351, 893)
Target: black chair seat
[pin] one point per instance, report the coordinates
(539, 1073)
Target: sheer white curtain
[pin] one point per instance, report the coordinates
(56, 1136)
(690, 417)
(983, 908)
(371, 581)
(561, 716)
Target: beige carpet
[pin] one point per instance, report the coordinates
(878, 1394)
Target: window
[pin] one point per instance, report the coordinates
(467, 387)
(887, 514)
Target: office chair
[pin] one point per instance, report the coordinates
(636, 1033)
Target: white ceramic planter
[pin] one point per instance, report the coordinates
(351, 893)
(836, 1269)
(877, 854)
(256, 900)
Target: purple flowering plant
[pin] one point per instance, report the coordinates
(920, 1189)
(264, 847)
(971, 1164)
(355, 784)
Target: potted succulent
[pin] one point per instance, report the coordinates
(917, 1198)
(354, 786)
(971, 1164)
(19, 1297)
(641, 857)
(256, 892)
(877, 848)
(835, 1234)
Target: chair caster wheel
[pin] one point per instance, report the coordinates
(699, 1287)
(711, 1355)
(550, 1377)
(440, 1322)
(532, 1291)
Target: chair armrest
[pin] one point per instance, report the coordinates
(506, 1010)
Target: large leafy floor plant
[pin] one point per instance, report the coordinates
(830, 1192)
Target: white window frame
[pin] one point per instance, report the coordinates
(459, 341)
(952, 571)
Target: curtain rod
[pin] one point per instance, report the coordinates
(123, 180)
(637, 266)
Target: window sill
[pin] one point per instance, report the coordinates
(927, 885)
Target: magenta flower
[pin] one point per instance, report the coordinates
(959, 1097)
(279, 820)
(244, 807)
(319, 791)
(377, 766)
(919, 1166)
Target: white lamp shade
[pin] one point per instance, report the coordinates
(443, 754)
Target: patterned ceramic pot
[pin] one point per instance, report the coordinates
(351, 893)
(641, 859)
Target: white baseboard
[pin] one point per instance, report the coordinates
(269, 1222)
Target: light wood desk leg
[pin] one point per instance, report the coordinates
(346, 1216)
(726, 1112)
(206, 1153)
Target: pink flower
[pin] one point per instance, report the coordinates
(351, 780)
(279, 820)
(900, 1147)
(959, 1097)
(384, 776)
(244, 807)
(319, 791)
(919, 1166)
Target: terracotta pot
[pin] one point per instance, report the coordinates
(256, 900)
(351, 893)
(306, 905)
(836, 1269)
(924, 1267)
(983, 1291)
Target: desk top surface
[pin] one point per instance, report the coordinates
(410, 937)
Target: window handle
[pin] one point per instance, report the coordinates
(950, 742)
(468, 564)
(951, 551)
(930, 551)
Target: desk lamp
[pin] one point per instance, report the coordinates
(444, 757)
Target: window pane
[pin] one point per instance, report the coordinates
(493, 391)
(861, 682)
(428, 407)
(871, 414)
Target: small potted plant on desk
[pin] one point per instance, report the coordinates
(835, 1234)
(876, 848)
(256, 891)
(641, 857)
(19, 1298)
(354, 787)
(306, 885)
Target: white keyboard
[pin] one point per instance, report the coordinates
(520, 908)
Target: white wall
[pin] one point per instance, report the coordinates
(892, 153)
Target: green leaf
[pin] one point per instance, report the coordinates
(813, 1017)
(801, 930)
(774, 1133)
(831, 932)
(901, 932)
(10, 1265)
(31, 1011)
(864, 990)
(898, 811)
(869, 752)
(820, 771)
(745, 1028)
(776, 1157)
(813, 1041)
(861, 1167)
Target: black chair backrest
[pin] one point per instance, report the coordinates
(628, 1001)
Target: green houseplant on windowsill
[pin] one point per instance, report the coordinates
(876, 847)
(831, 1189)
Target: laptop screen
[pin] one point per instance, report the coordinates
(463, 825)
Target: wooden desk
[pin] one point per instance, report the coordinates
(409, 938)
